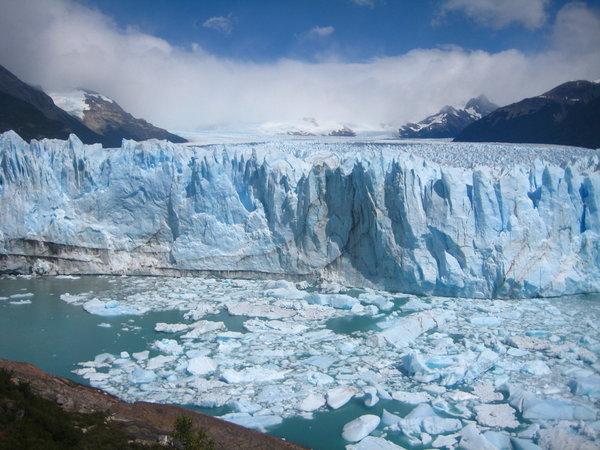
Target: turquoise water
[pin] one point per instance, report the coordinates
(55, 335)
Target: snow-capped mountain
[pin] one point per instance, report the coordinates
(104, 116)
(470, 220)
(449, 122)
(569, 114)
(33, 115)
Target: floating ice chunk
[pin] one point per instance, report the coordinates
(17, 296)
(556, 409)
(274, 326)
(378, 300)
(312, 402)
(405, 330)
(201, 365)
(283, 289)
(471, 439)
(423, 419)
(360, 428)
(322, 362)
(256, 422)
(244, 406)
(112, 308)
(319, 378)
(339, 396)
(124, 355)
(162, 327)
(104, 325)
(139, 376)
(485, 321)
(537, 368)
(517, 352)
(169, 346)
(445, 441)
(104, 359)
(254, 374)
(3, 298)
(230, 335)
(522, 444)
(342, 301)
(266, 311)
(500, 440)
(21, 302)
(389, 419)
(585, 382)
(528, 343)
(374, 443)
(483, 362)
(370, 398)
(202, 327)
(200, 310)
(486, 393)
(141, 356)
(412, 398)
(159, 361)
(96, 377)
(497, 416)
(415, 304)
(66, 297)
(563, 437)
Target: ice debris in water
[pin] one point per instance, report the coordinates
(523, 380)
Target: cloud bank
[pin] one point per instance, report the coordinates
(59, 44)
(501, 13)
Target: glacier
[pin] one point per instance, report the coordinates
(446, 219)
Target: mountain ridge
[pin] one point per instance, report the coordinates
(568, 114)
(449, 121)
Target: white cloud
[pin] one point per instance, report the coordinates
(370, 3)
(60, 44)
(501, 13)
(221, 24)
(319, 32)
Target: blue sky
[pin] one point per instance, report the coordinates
(270, 64)
(315, 30)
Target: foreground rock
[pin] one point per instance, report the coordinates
(145, 421)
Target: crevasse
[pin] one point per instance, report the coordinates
(469, 220)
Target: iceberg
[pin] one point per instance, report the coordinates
(450, 219)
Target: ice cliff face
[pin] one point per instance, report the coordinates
(476, 220)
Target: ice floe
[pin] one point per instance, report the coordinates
(460, 378)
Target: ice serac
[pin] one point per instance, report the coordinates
(472, 220)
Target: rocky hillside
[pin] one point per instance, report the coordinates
(569, 114)
(449, 121)
(105, 117)
(33, 115)
(143, 422)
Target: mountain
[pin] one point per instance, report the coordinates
(33, 115)
(569, 114)
(450, 121)
(452, 219)
(104, 116)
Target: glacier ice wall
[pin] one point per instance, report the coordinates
(471, 220)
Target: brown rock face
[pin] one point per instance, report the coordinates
(143, 421)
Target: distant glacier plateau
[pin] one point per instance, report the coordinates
(438, 218)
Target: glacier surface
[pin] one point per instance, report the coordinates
(468, 220)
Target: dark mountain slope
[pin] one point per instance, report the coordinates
(33, 114)
(566, 115)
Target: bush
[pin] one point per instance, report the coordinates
(182, 434)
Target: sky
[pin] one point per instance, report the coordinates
(368, 64)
